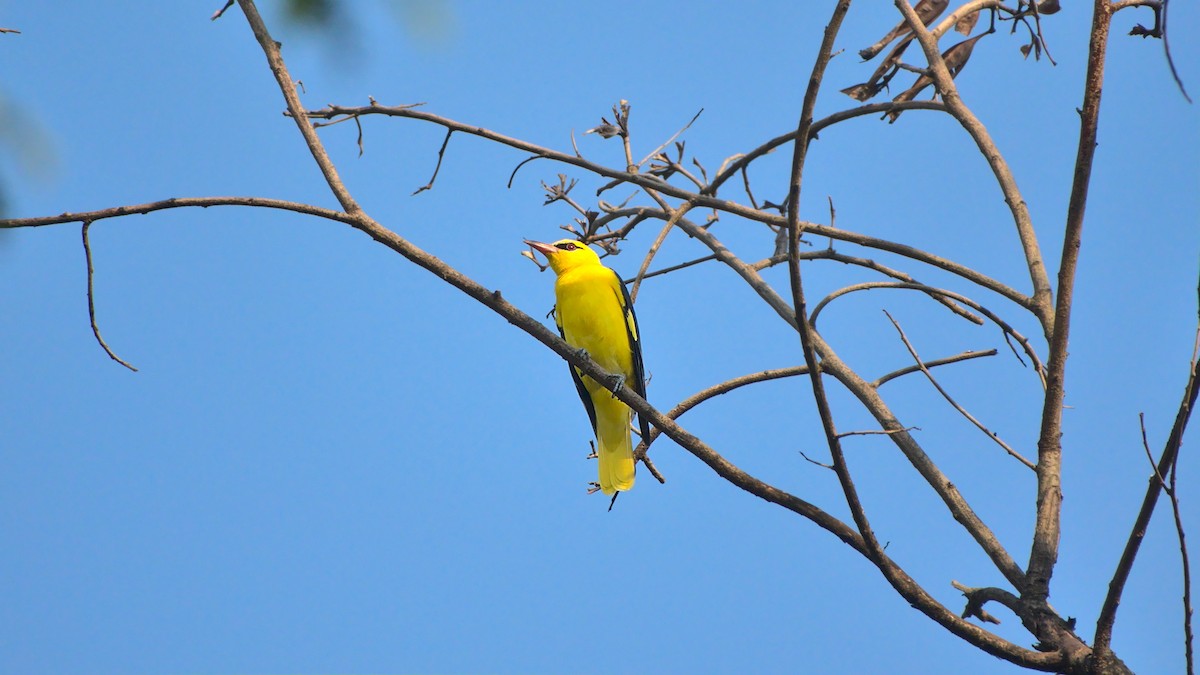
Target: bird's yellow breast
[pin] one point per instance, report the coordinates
(592, 315)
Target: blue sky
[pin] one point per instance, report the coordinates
(332, 461)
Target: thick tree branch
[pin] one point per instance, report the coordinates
(1044, 551)
(275, 60)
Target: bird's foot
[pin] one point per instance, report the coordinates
(617, 382)
(593, 488)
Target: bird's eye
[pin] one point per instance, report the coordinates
(566, 246)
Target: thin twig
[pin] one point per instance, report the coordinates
(1173, 493)
(91, 297)
(517, 168)
(176, 203)
(1004, 326)
(217, 14)
(1182, 90)
(878, 432)
(804, 327)
(673, 268)
(963, 356)
(652, 469)
(438, 167)
(676, 214)
(1164, 466)
(831, 254)
(668, 141)
(949, 399)
(1159, 31)
(810, 460)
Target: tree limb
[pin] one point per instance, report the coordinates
(1041, 297)
(1166, 464)
(1044, 552)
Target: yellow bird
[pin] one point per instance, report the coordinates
(594, 313)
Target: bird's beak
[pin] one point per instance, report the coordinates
(542, 247)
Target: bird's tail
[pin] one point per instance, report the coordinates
(614, 448)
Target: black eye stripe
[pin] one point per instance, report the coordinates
(566, 246)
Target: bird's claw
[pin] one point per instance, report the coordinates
(617, 381)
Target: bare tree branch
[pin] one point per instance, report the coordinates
(830, 254)
(978, 597)
(175, 203)
(970, 418)
(91, 297)
(674, 268)
(1004, 326)
(673, 137)
(850, 237)
(1166, 465)
(438, 166)
(1169, 487)
(1044, 552)
(963, 356)
(1041, 304)
(271, 50)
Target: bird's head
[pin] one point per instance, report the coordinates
(566, 254)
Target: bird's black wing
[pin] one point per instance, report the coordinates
(578, 378)
(635, 347)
